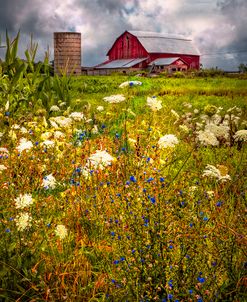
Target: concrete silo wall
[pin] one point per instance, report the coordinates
(67, 52)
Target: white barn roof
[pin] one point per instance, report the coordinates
(123, 63)
(163, 61)
(165, 43)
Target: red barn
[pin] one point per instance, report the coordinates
(138, 50)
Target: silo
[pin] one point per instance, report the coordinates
(67, 52)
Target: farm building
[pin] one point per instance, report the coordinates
(138, 50)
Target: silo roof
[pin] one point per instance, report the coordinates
(165, 43)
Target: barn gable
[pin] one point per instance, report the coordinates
(127, 46)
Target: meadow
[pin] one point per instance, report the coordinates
(121, 188)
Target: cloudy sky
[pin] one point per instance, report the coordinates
(218, 27)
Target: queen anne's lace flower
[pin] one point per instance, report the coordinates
(117, 98)
(23, 201)
(77, 116)
(219, 174)
(24, 145)
(130, 83)
(61, 231)
(54, 108)
(4, 151)
(100, 159)
(2, 168)
(49, 182)
(61, 121)
(154, 103)
(168, 141)
(207, 138)
(241, 135)
(23, 221)
(100, 108)
(48, 143)
(58, 135)
(220, 131)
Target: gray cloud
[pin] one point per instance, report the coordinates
(215, 28)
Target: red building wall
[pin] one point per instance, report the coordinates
(127, 46)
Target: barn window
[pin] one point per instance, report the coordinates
(128, 42)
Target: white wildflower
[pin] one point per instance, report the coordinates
(7, 106)
(2, 168)
(168, 141)
(48, 143)
(214, 119)
(187, 105)
(192, 190)
(235, 119)
(62, 104)
(77, 116)
(207, 138)
(210, 194)
(23, 221)
(132, 141)
(23, 130)
(58, 135)
(24, 145)
(241, 135)
(130, 83)
(220, 131)
(230, 110)
(61, 121)
(15, 127)
(95, 129)
(46, 135)
(199, 126)
(61, 231)
(4, 151)
(49, 182)
(154, 103)
(85, 172)
(196, 111)
(53, 124)
(213, 172)
(23, 201)
(113, 99)
(100, 108)
(54, 108)
(100, 159)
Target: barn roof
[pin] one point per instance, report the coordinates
(165, 61)
(165, 43)
(124, 63)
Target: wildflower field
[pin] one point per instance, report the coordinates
(130, 193)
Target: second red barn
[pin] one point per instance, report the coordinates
(139, 50)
